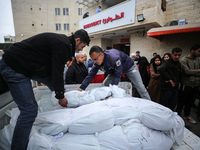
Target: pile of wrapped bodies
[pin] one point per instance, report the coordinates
(118, 123)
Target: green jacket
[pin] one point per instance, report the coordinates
(190, 71)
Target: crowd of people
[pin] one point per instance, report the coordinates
(50, 59)
(171, 81)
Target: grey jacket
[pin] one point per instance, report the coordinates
(190, 71)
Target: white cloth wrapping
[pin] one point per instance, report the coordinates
(115, 123)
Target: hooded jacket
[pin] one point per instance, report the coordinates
(42, 55)
(76, 73)
(190, 71)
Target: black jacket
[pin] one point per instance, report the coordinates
(170, 70)
(42, 55)
(76, 73)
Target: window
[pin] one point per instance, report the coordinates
(65, 11)
(57, 11)
(31, 8)
(66, 26)
(58, 26)
(79, 11)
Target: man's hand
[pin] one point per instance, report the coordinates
(63, 102)
(172, 83)
(79, 89)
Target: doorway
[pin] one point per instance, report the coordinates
(123, 47)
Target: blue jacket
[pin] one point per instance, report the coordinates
(115, 62)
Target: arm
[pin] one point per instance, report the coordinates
(153, 74)
(187, 70)
(89, 78)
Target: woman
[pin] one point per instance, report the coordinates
(143, 67)
(166, 56)
(154, 83)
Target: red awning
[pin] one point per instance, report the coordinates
(156, 32)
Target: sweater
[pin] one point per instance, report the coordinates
(42, 55)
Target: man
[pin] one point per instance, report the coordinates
(85, 61)
(170, 72)
(154, 55)
(98, 9)
(132, 56)
(86, 15)
(114, 63)
(41, 58)
(137, 56)
(77, 72)
(190, 82)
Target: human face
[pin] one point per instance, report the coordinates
(97, 58)
(196, 53)
(80, 59)
(176, 56)
(157, 61)
(85, 57)
(137, 54)
(166, 57)
(79, 45)
(133, 57)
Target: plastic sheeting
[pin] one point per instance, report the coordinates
(125, 123)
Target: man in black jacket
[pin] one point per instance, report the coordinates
(41, 58)
(77, 72)
(170, 72)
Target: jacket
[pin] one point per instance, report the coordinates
(76, 73)
(190, 69)
(170, 70)
(115, 62)
(42, 55)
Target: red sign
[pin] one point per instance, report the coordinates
(125, 40)
(107, 20)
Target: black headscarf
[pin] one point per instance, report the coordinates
(143, 64)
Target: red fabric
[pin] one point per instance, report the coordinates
(98, 78)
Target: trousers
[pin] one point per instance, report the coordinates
(135, 78)
(22, 92)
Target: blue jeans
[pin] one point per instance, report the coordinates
(22, 93)
(169, 99)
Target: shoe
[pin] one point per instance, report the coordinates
(190, 119)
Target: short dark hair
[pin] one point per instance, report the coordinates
(195, 47)
(95, 49)
(99, 6)
(83, 35)
(176, 50)
(155, 53)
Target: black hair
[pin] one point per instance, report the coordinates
(99, 6)
(83, 35)
(154, 65)
(155, 53)
(176, 50)
(195, 47)
(166, 54)
(95, 49)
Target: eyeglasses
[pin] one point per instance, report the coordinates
(97, 57)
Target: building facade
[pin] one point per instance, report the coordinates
(33, 17)
(129, 34)
(127, 25)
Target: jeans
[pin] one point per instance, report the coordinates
(169, 99)
(133, 75)
(22, 93)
